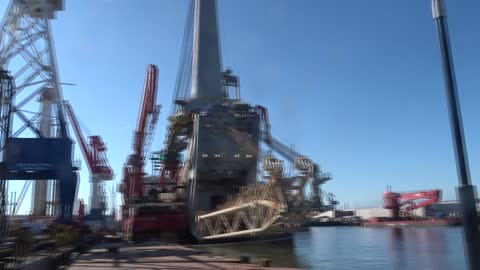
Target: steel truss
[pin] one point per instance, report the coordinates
(6, 94)
(27, 52)
(277, 206)
(256, 209)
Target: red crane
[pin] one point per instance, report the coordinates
(95, 154)
(407, 201)
(133, 170)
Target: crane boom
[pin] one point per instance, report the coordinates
(287, 152)
(79, 134)
(133, 170)
(148, 115)
(406, 201)
(94, 151)
(429, 197)
(300, 161)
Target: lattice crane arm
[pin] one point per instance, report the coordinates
(393, 200)
(429, 197)
(287, 152)
(148, 114)
(300, 161)
(94, 151)
(133, 170)
(86, 151)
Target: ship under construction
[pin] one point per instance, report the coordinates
(217, 178)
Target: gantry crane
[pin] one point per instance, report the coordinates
(27, 52)
(95, 154)
(405, 202)
(133, 171)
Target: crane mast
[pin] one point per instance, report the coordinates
(94, 153)
(133, 171)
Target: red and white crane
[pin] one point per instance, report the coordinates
(133, 170)
(95, 154)
(410, 201)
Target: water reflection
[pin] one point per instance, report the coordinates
(397, 248)
(360, 249)
(438, 247)
(281, 253)
(421, 248)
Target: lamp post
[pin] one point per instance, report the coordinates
(466, 190)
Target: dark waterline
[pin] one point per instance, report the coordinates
(361, 248)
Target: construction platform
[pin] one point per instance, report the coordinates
(154, 255)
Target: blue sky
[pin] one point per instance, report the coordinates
(356, 85)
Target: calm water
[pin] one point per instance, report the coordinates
(361, 248)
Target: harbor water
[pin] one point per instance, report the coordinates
(359, 248)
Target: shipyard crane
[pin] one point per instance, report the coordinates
(95, 155)
(133, 170)
(40, 136)
(300, 161)
(397, 202)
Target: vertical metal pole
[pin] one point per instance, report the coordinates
(40, 187)
(465, 189)
(193, 178)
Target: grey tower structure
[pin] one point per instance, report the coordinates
(218, 165)
(222, 164)
(207, 66)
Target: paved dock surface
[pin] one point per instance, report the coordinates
(156, 256)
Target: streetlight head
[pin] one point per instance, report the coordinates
(438, 9)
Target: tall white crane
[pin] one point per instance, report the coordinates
(27, 52)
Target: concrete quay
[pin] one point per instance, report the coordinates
(155, 255)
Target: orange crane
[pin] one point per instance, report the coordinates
(397, 202)
(95, 155)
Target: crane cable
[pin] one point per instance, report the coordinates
(183, 80)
